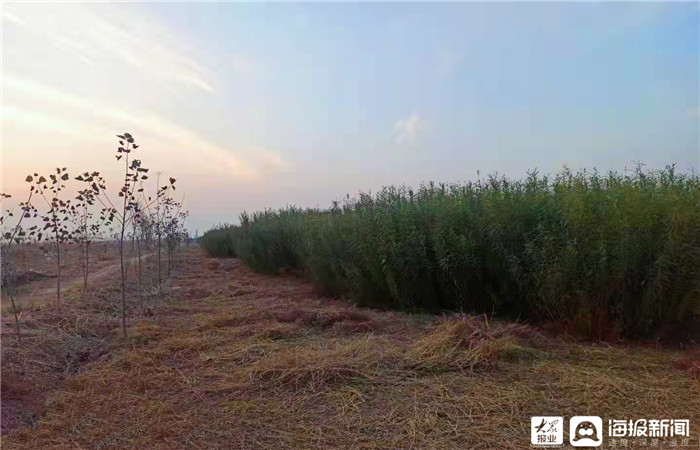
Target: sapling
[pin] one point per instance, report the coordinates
(133, 173)
(56, 218)
(163, 192)
(176, 233)
(86, 228)
(15, 236)
(148, 227)
(170, 222)
(143, 232)
(137, 226)
(159, 226)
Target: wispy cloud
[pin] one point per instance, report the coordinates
(109, 36)
(104, 64)
(693, 113)
(407, 131)
(8, 16)
(84, 118)
(38, 121)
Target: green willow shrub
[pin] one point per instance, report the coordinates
(595, 250)
(218, 241)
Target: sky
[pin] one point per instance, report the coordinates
(252, 105)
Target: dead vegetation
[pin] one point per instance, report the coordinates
(242, 360)
(468, 343)
(57, 344)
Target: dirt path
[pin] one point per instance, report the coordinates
(242, 360)
(43, 290)
(41, 293)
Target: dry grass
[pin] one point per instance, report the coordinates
(58, 343)
(241, 360)
(467, 343)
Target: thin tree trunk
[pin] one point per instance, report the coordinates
(58, 278)
(87, 261)
(121, 251)
(159, 259)
(87, 250)
(8, 290)
(121, 259)
(158, 225)
(83, 265)
(138, 248)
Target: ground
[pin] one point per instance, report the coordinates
(227, 358)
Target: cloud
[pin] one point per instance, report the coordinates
(84, 119)
(86, 71)
(407, 131)
(105, 35)
(7, 15)
(693, 113)
(38, 121)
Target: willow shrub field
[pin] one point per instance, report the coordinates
(596, 252)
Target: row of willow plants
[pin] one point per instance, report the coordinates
(48, 215)
(598, 252)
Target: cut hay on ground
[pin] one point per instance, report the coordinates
(276, 366)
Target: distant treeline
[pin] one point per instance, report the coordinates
(596, 251)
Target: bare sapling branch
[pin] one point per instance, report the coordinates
(16, 236)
